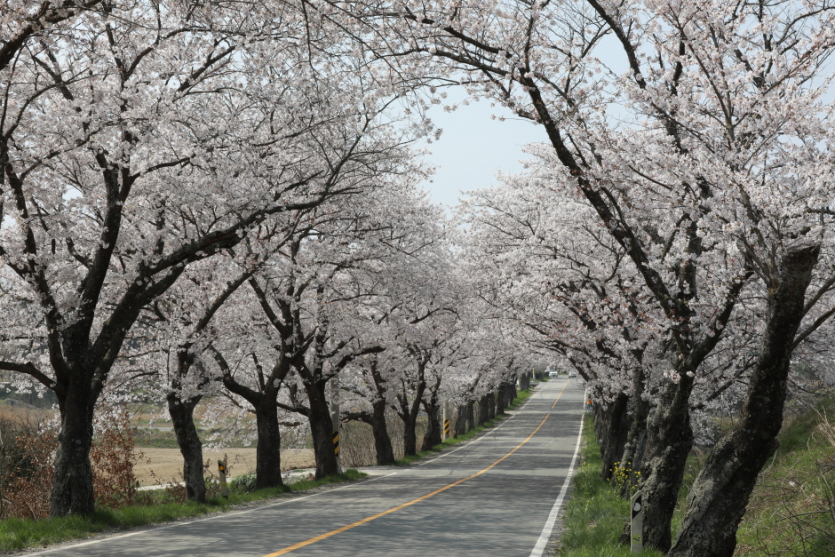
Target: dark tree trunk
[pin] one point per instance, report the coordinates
(379, 426)
(611, 425)
(268, 450)
(409, 436)
(491, 405)
(182, 418)
(718, 498)
(408, 411)
(637, 455)
(501, 399)
(321, 428)
(669, 441)
(433, 427)
(461, 420)
(181, 409)
(382, 441)
(633, 451)
(482, 410)
(264, 403)
(470, 415)
(72, 489)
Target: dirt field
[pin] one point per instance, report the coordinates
(160, 466)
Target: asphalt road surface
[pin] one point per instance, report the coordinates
(495, 496)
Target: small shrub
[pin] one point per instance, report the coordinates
(243, 484)
(29, 459)
(113, 458)
(27, 476)
(624, 479)
(356, 445)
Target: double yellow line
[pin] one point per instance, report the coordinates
(327, 535)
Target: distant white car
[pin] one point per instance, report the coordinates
(572, 374)
(553, 373)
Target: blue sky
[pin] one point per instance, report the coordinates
(473, 147)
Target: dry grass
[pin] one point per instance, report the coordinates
(158, 466)
(20, 412)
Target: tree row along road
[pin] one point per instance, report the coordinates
(492, 496)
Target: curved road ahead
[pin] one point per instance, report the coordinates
(493, 496)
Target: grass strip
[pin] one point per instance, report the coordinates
(789, 512)
(17, 534)
(521, 397)
(792, 510)
(595, 513)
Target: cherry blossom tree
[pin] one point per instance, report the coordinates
(547, 270)
(313, 293)
(136, 140)
(715, 175)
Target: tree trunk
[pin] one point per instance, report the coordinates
(321, 428)
(491, 405)
(461, 420)
(433, 427)
(482, 410)
(382, 441)
(268, 450)
(409, 435)
(718, 498)
(637, 455)
(470, 415)
(72, 488)
(409, 412)
(669, 441)
(633, 450)
(611, 425)
(501, 399)
(182, 418)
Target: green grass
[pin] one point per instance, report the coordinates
(595, 514)
(521, 397)
(787, 513)
(17, 534)
(792, 510)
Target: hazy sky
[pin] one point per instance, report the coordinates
(473, 147)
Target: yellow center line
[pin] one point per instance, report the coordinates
(559, 395)
(326, 535)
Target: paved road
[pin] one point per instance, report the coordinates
(491, 497)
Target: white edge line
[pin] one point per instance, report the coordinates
(539, 548)
(216, 516)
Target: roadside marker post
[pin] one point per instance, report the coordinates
(637, 536)
(445, 421)
(221, 470)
